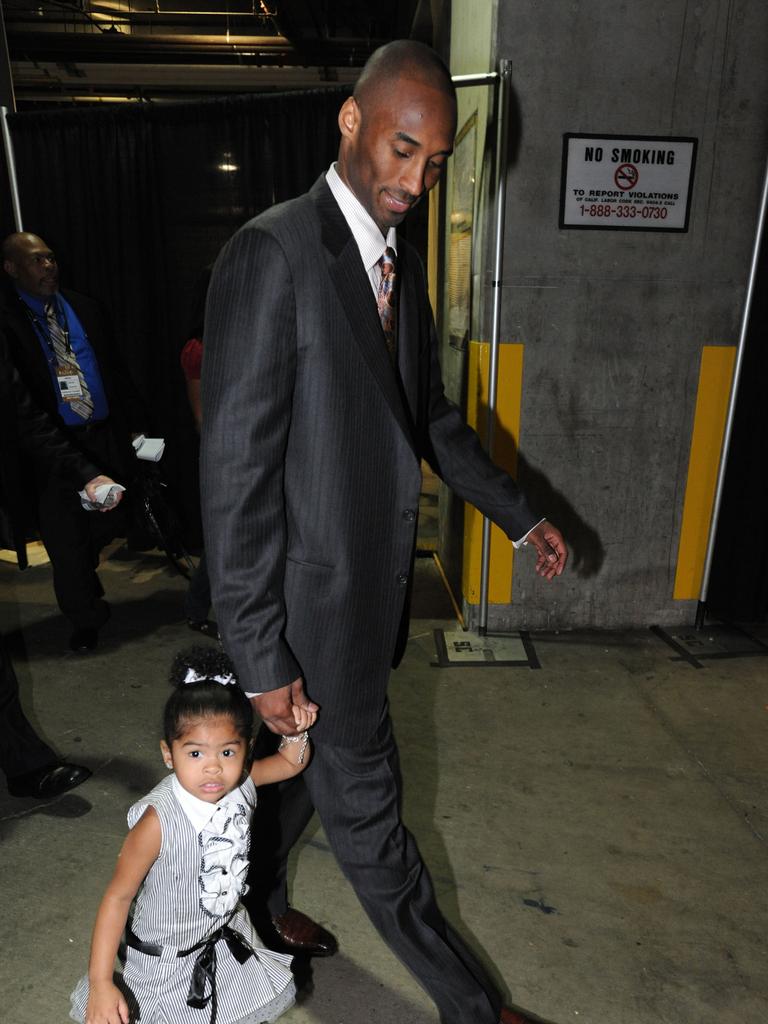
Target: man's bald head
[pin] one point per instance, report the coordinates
(402, 59)
(14, 243)
(397, 130)
(31, 264)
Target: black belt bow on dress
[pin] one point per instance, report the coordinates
(204, 969)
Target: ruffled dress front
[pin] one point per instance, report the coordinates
(192, 890)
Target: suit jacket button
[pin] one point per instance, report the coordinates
(409, 515)
(402, 579)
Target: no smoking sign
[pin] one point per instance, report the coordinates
(626, 177)
(620, 182)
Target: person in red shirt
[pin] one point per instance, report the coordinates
(197, 604)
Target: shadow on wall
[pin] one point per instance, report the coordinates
(586, 549)
(587, 553)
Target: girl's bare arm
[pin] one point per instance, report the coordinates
(290, 759)
(141, 848)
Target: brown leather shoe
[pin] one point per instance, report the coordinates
(300, 932)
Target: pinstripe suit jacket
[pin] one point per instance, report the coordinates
(310, 460)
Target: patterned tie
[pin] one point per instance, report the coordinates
(386, 301)
(66, 358)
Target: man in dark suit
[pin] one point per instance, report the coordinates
(29, 764)
(321, 394)
(64, 354)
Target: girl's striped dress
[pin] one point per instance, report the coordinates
(191, 891)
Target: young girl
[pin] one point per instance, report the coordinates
(191, 952)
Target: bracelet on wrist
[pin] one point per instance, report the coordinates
(302, 738)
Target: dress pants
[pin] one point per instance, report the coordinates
(197, 603)
(68, 533)
(282, 813)
(74, 537)
(21, 749)
(357, 794)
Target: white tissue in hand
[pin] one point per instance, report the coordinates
(104, 496)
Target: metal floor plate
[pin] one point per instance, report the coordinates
(711, 643)
(456, 648)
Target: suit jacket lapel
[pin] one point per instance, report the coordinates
(408, 333)
(30, 352)
(354, 290)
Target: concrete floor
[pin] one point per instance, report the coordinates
(596, 828)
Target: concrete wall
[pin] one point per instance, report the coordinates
(613, 322)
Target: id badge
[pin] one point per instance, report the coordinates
(68, 379)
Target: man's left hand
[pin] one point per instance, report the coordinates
(90, 490)
(550, 548)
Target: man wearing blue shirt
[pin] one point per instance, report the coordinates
(63, 352)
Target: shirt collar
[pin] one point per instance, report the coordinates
(35, 304)
(365, 231)
(199, 812)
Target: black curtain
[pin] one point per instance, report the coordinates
(136, 201)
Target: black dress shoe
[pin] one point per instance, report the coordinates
(204, 626)
(84, 640)
(49, 781)
(297, 931)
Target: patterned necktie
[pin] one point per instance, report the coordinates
(66, 358)
(386, 301)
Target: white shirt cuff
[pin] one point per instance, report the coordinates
(523, 539)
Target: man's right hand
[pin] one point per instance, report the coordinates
(275, 707)
(98, 481)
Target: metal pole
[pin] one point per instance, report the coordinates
(701, 610)
(8, 100)
(505, 78)
(11, 167)
(482, 78)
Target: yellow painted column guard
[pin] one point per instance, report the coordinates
(507, 432)
(715, 376)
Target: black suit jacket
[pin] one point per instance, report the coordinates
(28, 433)
(311, 454)
(126, 410)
